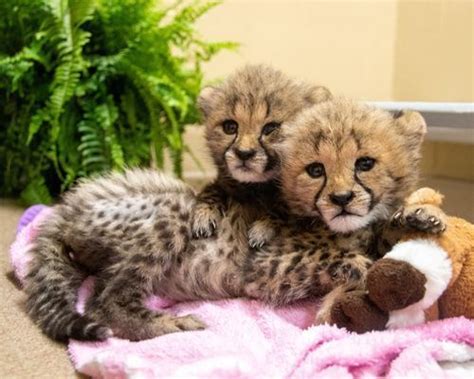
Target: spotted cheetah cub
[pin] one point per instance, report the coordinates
(243, 117)
(351, 166)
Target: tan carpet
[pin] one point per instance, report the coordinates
(24, 351)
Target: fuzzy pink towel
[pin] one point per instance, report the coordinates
(246, 339)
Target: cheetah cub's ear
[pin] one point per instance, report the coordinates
(318, 94)
(207, 99)
(411, 124)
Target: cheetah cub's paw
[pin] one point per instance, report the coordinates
(205, 220)
(260, 233)
(166, 324)
(421, 212)
(349, 270)
(423, 218)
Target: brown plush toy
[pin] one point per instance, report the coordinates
(423, 277)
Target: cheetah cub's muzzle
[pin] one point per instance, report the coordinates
(248, 161)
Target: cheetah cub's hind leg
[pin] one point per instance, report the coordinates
(121, 304)
(421, 212)
(124, 288)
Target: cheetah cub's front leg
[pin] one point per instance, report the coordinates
(261, 232)
(205, 220)
(421, 212)
(208, 211)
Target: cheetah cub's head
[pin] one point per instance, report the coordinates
(243, 117)
(349, 163)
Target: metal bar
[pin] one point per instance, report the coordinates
(422, 106)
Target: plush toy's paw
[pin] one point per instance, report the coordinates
(394, 284)
(205, 220)
(357, 313)
(420, 217)
(260, 233)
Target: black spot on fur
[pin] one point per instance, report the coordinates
(298, 246)
(184, 216)
(284, 287)
(143, 242)
(166, 235)
(105, 224)
(175, 207)
(160, 225)
(273, 267)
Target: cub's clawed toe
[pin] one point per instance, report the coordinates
(420, 217)
(205, 220)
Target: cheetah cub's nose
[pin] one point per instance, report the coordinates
(342, 198)
(244, 154)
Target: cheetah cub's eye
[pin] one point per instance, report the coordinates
(230, 127)
(270, 127)
(364, 164)
(315, 169)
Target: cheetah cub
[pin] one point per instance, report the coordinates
(243, 116)
(351, 166)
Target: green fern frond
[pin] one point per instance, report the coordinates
(70, 15)
(94, 85)
(36, 192)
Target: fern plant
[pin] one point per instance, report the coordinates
(94, 85)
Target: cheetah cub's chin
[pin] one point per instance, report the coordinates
(350, 164)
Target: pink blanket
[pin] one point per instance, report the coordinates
(246, 339)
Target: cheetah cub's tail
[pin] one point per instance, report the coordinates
(51, 287)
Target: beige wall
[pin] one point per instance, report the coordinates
(434, 51)
(346, 45)
(368, 49)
